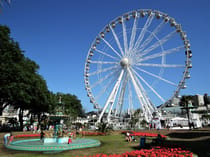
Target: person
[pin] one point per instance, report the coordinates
(35, 128)
(69, 140)
(80, 131)
(39, 129)
(24, 129)
(150, 126)
(171, 124)
(133, 138)
(74, 134)
(128, 137)
(10, 138)
(42, 136)
(158, 141)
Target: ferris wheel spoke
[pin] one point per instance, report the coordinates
(111, 99)
(108, 85)
(130, 97)
(133, 34)
(103, 62)
(117, 41)
(152, 35)
(103, 70)
(143, 31)
(159, 42)
(140, 94)
(110, 46)
(160, 54)
(147, 104)
(161, 65)
(103, 79)
(156, 76)
(106, 54)
(121, 96)
(125, 38)
(150, 87)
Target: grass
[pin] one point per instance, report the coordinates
(114, 143)
(198, 141)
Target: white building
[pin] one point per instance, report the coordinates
(10, 112)
(198, 100)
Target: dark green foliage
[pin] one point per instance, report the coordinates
(69, 105)
(104, 127)
(143, 123)
(23, 88)
(135, 117)
(20, 84)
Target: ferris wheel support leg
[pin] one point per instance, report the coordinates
(141, 97)
(112, 96)
(110, 110)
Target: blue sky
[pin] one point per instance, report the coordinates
(57, 35)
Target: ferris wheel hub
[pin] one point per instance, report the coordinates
(124, 62)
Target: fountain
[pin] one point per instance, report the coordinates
(57, 142)
(58, 119)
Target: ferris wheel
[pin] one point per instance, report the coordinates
(139, 60)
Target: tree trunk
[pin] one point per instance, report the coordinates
(39, 119)
(2, 107)
(21, 119)
(1, 110)
(207, 109)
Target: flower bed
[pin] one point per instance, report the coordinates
(133, 133)
(159, 152)
(153, 152)
(146, 134)
(27, 135)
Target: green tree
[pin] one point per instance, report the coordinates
(70, 105)
(22, 87)
(104, 127)
(40, 101)
(20, 84)
(24, 93)
(143, 123)
(10, 59)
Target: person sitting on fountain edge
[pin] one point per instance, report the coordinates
(42, 136)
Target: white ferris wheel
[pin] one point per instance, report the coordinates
(139, 60)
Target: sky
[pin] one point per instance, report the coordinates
(57, 35)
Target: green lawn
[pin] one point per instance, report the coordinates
(114, 143)
(198, 141)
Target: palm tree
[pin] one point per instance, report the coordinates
(135, 117)
(206, 102)
(184, 101)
